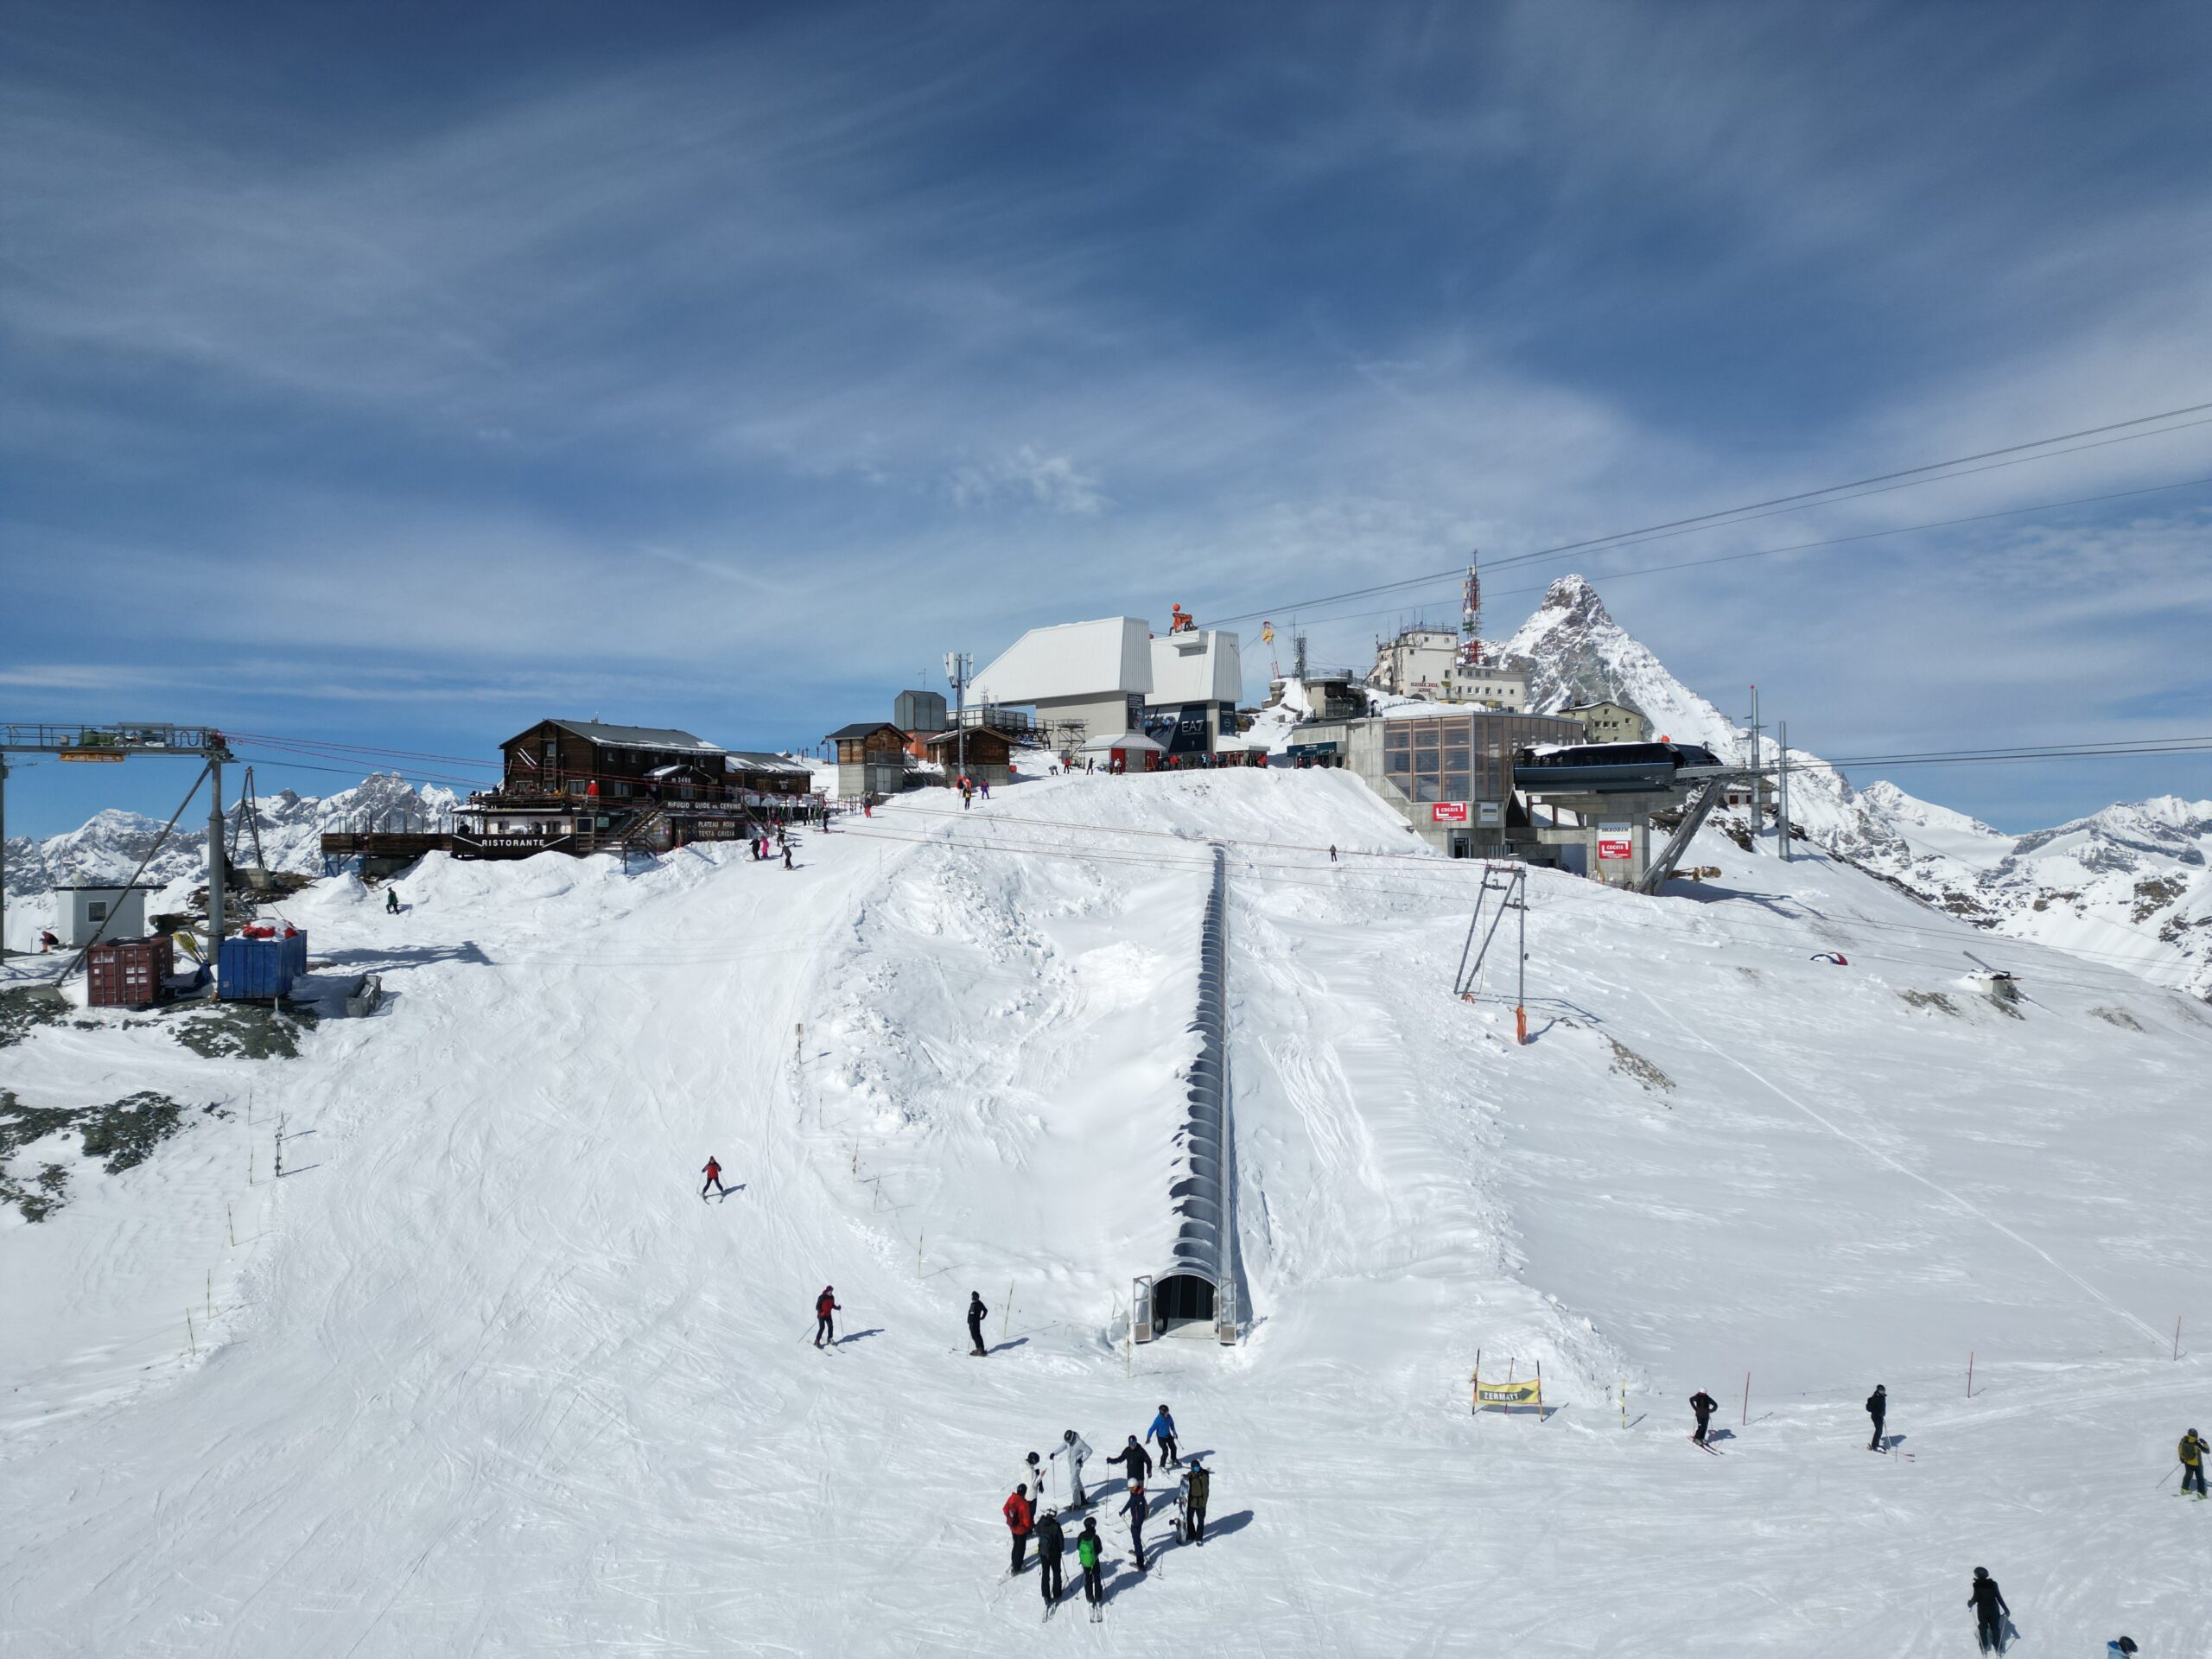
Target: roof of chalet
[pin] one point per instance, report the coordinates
(759, 761)
(628, 737)
(1019, 736)
(863, 728)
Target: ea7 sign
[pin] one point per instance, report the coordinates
(1614, 840)
(1448, 813)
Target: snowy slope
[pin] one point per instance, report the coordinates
(488, 1378)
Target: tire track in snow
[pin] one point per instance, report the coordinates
(2158, 1337)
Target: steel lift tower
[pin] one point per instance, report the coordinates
(113, 744)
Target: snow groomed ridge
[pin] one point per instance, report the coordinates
(1200, 1283)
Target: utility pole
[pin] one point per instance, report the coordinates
(1782, 816)
(1757, 822)
(215, 862)
(3, 856)
(958, 666)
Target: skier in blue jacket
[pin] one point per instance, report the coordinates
(1163, 1430)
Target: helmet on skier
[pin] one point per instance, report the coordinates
(1163, 1404)
(1981, 1571)
(2125, 1645)
(1068, 1435)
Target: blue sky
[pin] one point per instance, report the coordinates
(395, 376)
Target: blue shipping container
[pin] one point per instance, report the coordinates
(260, 968)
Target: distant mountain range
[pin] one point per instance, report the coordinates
(108, 846)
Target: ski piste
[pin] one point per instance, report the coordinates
(734, 1286)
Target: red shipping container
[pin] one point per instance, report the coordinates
(129, 973)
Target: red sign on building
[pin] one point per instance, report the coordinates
(1448, 813)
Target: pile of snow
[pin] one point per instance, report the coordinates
(484, 1371)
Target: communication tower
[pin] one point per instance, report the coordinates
(1471, 620)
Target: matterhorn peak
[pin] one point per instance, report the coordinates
(1573, 594)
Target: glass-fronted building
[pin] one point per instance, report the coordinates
(1449, 769)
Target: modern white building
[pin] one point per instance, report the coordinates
(1196, 678)
(1489, 685)
(1096, 673)
(1425, 663)
(1415, 664)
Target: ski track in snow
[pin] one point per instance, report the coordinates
(486, 1376)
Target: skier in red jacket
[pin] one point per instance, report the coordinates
(1019, 1517)
(824, 1306)
(713, 1172)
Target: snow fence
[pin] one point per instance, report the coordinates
(1202, 1179)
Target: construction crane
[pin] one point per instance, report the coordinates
(113, 744)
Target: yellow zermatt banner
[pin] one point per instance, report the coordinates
(1530, 1393)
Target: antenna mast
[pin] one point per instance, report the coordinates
(1470, 619)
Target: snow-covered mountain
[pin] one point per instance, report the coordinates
(108, 846)
(2128, 885)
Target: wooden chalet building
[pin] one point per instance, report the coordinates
(871, 759)
(584, 786)
(989, 754)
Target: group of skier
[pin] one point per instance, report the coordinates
(1992, 1617)
(1030, 1513)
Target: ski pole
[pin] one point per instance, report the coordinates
(2164, 1478)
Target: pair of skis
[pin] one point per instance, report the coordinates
(1702, 1447)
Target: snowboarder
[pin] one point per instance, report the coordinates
(824, 1306)
(1032, 1473)
(1332, 852)
(1076, 1451)
(1018, 1516)
(1989, 1611)
(1705, 1405)
(1197, 1486)
(1086, 1555)
(787, 857)
(48, 941)
(1134, 1507)
(2192, 1462)
(976, 1314)
(392, 901)
(1163, 1430)
(1050, 1542)
(1877, 1406)
(714, 1173)
(1135, 1461)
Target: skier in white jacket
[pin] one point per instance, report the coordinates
(1034, 1475)
(1076, 1451)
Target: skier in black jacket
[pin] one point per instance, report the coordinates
(1705, 1405)
(1989, 1611)
(1137, 1460)
(1877, 1406)
(1134, 1509)
(1051, 1540)
(976, 1314)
